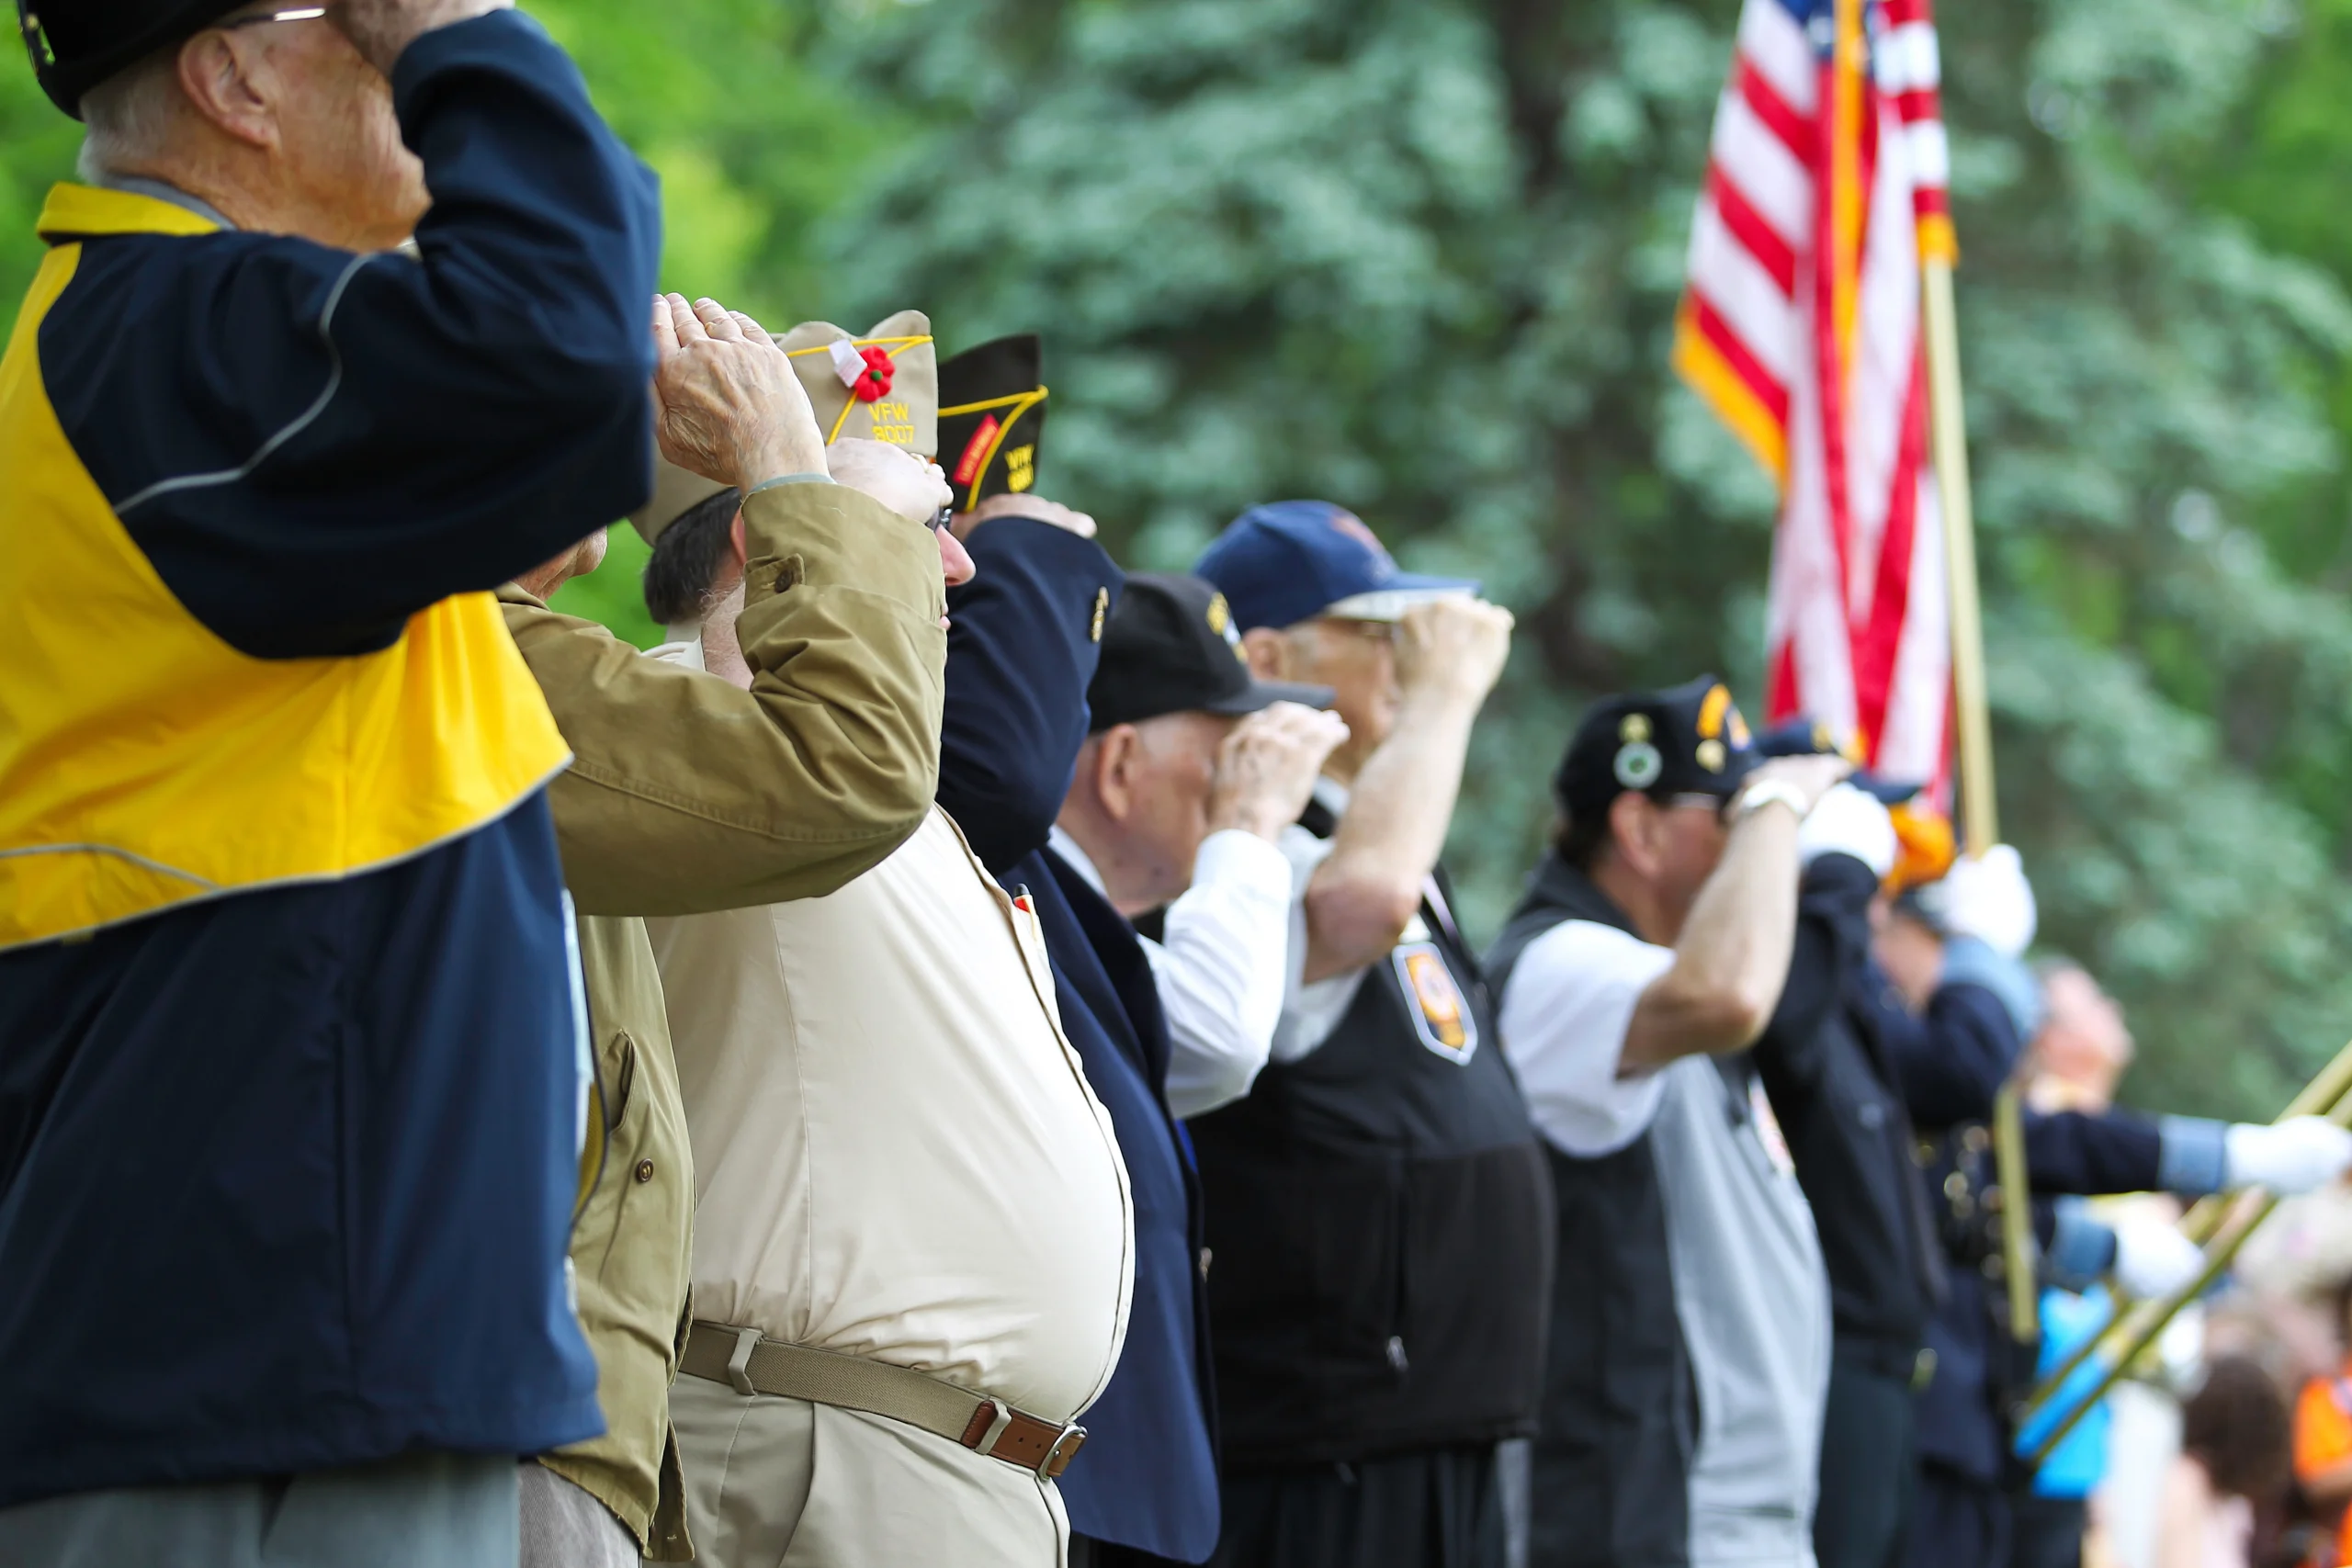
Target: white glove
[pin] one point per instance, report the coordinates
(2152, 1258)
(2296, 1155)
(1849, 822)
(1988, 899)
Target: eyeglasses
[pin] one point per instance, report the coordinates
(1717, 804)
(1370, 631)
(299, 14)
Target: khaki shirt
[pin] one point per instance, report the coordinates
(687, 794)
(897, 1154)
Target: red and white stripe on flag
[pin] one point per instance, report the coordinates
(1800, 326)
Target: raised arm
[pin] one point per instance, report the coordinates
(384, 430)
(1449, 655)
(687, 793)
(1731, 959)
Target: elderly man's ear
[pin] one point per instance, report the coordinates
(1111, 761)
(1262, 646)
(227, 78)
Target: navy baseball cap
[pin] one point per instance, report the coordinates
(1807, 737)
(1288, 561)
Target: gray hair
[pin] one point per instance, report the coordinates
(129, 116)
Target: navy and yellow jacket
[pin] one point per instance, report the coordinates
(288, 1045)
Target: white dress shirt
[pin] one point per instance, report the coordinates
(1223, 965)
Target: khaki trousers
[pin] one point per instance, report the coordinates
(784, 1484)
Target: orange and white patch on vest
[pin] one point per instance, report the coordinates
(1440, 1017)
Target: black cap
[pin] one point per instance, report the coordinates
(1690, 740)
(1170, 647)
(1810, 737)
(992, 418)
(76, 44)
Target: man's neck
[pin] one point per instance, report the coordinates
(1098, 845)
(1634, 896)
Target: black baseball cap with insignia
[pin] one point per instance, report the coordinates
(1687, 739)
(1810, 737)
(1170, 647)
(992, 418)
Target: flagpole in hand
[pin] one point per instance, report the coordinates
(1980, 822)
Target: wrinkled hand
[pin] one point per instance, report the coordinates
(1267, 767)
(908, 483)
(1812, 777)
(2298, 1155)
(726, 404)
(2152, 1258)
(380, 29)
(1849, 820)
(1457, 645)
(1037, 508)
(1988, 899)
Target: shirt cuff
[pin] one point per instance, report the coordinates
(789, 479)
(2191, 1159)
(2080, 1250)
(1233, 855)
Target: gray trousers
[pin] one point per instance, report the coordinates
(418, 1511)
(564, 1527)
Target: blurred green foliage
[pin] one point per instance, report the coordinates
(1420, 256)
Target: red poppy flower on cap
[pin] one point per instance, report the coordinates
(876, 379)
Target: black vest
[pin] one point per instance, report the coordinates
(1380, 1225)
(1620, 1411)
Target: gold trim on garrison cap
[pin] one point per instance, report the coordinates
(903, 411)
(855, 396)
(992, 418)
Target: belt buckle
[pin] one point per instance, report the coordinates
(1065, 1447)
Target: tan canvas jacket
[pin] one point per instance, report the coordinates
(687, 794)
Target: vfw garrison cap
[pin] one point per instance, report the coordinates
(992, 418)
(1170, 646)
(1290, 560)
(1688, 740)
(76, 44)
(881, 386)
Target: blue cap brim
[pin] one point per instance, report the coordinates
(1398, 593)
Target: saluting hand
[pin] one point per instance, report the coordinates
(380, 29)
(1457, 645)
(1267, 767)
(907, 484)
(726, 404)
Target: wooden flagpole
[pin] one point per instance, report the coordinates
(1980, 819)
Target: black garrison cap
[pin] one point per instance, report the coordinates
(992, 418)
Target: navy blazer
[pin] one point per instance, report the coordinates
(1021, 650)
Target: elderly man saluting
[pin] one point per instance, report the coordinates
(289, 1056)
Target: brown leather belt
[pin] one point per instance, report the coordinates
(750, 1364)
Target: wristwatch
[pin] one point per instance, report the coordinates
(1755, 797)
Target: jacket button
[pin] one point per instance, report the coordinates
(645, 1171)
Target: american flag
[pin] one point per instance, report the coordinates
(1800, 326)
